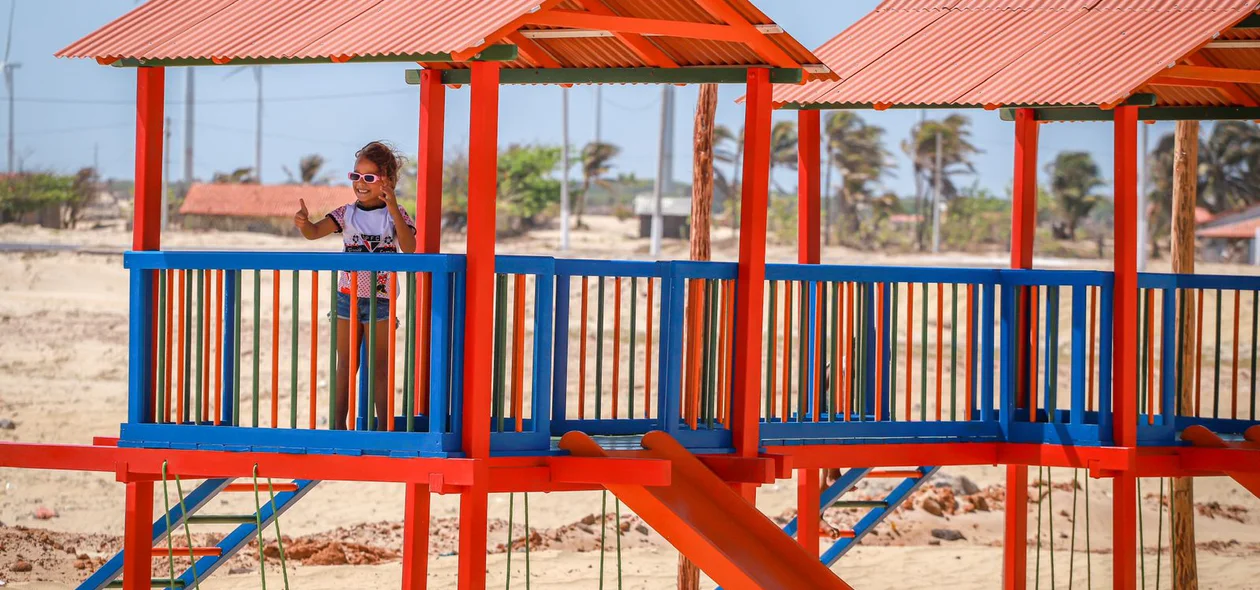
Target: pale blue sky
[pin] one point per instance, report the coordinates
(66, 107)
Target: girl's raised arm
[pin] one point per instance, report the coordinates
(312, 231)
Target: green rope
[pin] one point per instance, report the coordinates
(527, 540)
(1072, 546)
(1141, 534)
(258, 528)
(1159, 534)
(603, 531)
(1050, 517)
(179, 491)
(1089, 559)
(166, 502)
(275, 519)
(617, 531)
(511, 513)
(1037, 571)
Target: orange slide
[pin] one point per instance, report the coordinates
(1202, 437)
(728, 538)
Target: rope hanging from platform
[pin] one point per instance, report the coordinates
(170, 545)
(1159, 533)
(511, 513)
(275, 517)
(1072, 543)
(1141, 535)
(603, 536)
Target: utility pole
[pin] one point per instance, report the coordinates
(936, 199)
(667, 172)
(659, 186)
(258, 127)
(189, 113)
(96, 157)
(599, 114)
(564, 168)
(9, 67)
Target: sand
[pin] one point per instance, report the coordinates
(63, 316)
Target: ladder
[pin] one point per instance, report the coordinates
(208, 559)
(877, 510)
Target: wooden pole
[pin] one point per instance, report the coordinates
(1185, 186)
(701, 239)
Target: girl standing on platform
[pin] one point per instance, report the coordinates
(372, 223)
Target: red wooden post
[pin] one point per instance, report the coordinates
(807, 505)
(808, 186)
(428, 214)
(1124, 322)
(1023, 227)
(137, 570)
(416, 538)
(478, 334)
(150, 93)
(745, 414)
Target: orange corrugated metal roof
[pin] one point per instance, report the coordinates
(278, 29)
(1022, 52)
(263, 200)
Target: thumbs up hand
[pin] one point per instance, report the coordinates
(303, 217)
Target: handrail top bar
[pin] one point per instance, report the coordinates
(1151, 280)
(315, 261)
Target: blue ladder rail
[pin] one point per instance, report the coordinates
(877, 511)
(107, 575)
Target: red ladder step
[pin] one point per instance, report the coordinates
(895, 474)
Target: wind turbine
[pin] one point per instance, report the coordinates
(9, 67)
(258, 79)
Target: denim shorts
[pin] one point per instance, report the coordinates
(343, 308)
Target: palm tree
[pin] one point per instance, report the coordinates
(1073, 178)
(596, 162)
(237, 176)
(783, 142)
(857, 150)
(308, 170)
(1229, 166)
(956, 154)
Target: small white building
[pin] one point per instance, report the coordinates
(675, 215)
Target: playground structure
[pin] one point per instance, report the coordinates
(749, 371)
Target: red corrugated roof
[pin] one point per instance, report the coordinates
(1245, 230)
(1021, 52)
(265, 200)
(279, 29)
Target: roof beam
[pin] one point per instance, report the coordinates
(491, 53)
(1213, 74)
(1139, 99)
(501, 32)
(640, 26)
(1233, 44)
(690, 75)
(752, 36)
(1049, 114)
(644, 49)
(533, 52)
(1232, 91)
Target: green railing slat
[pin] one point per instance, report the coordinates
(1052, 355)
(834, 383)
(711, 348)
(332, 354)
(802, 386)
(820, 396)
(1144, 346)
(599, 351)
(257, 349)
(1182, 299)
(370, 365)
(409, 354)
(187, 360)
(1254, 324)
(1216, 386)
(892, 355)
(236, 350)
(634, 331)
(201, 284)
(923, 380)
(293, 361)
(770, 357)
(953, 352)
(500, 349)
(159, 390)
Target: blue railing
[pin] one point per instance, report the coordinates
(236, 350)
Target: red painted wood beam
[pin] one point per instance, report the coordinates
(887, 455)
(137, 572)
(1234, 91)
(146, 464)
(729, 468)
(429, 162)
(640, 26)
(756, 40)
(533, 51)
(808, 188)
(807, 503)
(745, 413)
(500, 33)
(473, 504)
(592, 470)
(415, 573)
(643, 48)
(150, 96)
(1015, 546)
(483, 154)
(1124, 407)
